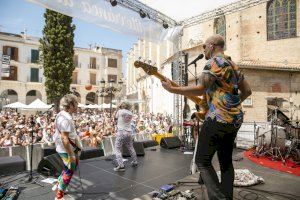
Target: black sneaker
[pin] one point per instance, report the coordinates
(119, 169)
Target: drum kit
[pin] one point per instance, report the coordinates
(280, 139)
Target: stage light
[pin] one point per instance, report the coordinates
(113, 2)
(165, 25)
(142, 14)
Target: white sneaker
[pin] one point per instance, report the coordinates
(134, 163)
(119, 169)
(55, 186)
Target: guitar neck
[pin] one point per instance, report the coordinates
(195, 99)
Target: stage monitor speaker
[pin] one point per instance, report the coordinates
(138, 147)
(149, 143)
(12, 164)
(49, 151)
(51, 165)
(91, 152)
(170, 142)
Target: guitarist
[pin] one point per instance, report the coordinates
(67, 142)
(225, 88)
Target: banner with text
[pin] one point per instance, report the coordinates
(118, 18)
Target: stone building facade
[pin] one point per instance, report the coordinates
(263, 39)
(26, 80)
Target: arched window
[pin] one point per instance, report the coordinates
(220, 26)
(281, 19)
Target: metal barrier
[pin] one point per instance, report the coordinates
(245, 138)
(108, 143)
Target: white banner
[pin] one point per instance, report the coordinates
(5, 68)
(5, 71)
(118, 18)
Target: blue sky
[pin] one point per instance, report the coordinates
(16, 15)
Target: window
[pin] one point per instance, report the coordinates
(34, 75)
(281, 19)
(74, 78)
(11, 51)
(113, 77)
(220, 26)
(75, 60)
(112, 63)
(92, 63)
(92, 79)
(34, 55)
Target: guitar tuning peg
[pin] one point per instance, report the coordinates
(149, 62)
(140, 58)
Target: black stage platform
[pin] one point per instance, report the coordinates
(156, 168)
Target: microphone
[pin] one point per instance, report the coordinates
(198, 58)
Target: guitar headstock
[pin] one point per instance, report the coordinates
(149, 69)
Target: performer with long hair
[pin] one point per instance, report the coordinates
(67, 142)
(225, 88)
(124, 135)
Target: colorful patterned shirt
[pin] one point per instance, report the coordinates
(224, 102)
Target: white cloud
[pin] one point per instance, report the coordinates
(182, 9)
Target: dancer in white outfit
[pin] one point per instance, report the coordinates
(124, 135)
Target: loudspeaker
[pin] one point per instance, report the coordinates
(13, 164)
(49, 151)
(51, 165)
(149, 143)
(170, 142)
(91, 152)
(138, 147)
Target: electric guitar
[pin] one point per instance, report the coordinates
(201, 102)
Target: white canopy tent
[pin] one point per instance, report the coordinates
(106, 105)
(38, 105)
(16, 105)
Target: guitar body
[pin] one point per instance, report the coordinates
(201, 102)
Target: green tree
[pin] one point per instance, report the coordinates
(57, 48)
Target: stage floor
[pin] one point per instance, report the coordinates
(156, 168)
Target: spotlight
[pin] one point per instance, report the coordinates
(142, 14)
(113, 2)
(165, 25)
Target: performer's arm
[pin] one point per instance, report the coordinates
(244, 87)
(194, 90)
(66, 143)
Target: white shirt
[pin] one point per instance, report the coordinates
(124, 120)
(63, 123)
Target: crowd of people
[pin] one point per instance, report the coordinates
(92, 126)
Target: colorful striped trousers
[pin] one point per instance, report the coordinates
(70, 165)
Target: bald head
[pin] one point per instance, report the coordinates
(213, 45)
(217, 40)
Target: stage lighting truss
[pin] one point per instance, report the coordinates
(227, 9)
(145, 11)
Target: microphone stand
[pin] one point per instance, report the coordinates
(30, 176)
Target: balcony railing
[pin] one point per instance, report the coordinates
(78, 82)
(33, 80)
(93, 82)
(90, 66)
(30, 61)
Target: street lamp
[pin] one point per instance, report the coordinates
(110, 90)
